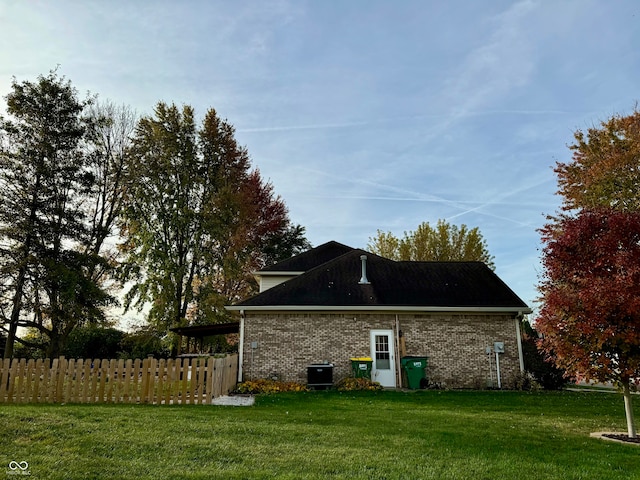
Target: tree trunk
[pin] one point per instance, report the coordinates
(54, 349)
(15, 314)
(22, 274)
(11, 340)
(628, 408)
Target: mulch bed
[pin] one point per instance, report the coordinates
(622, 438)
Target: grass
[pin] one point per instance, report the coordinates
(318, 435)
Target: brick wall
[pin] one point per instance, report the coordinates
(454, 343)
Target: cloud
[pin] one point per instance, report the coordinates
(503, 62)
(396, 119)
(409, 195)
(501, 198)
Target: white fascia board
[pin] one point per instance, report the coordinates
(389, 308)
(264, 274)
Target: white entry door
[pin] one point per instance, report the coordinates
(384, 359)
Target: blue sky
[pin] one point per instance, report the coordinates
(365, 114)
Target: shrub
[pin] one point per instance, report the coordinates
(545, 373)
(144, 342)
(525, 382)
(270, 386)
(350, 384)
(93, 341)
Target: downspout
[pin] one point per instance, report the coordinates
(398, 362)
(519, 317)
(241, 349)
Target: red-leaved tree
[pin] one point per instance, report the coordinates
(590, 319)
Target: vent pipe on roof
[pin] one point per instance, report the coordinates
(363, 279)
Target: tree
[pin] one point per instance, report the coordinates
(590, 318)
(144, 341)
(605, 168)
(44, 177)
(112, 129)
(92, 342)
(197, 219)
(444, 242)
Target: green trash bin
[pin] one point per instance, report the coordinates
(414, 368)
(361, 367)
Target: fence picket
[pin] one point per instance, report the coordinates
(69, 381)
(77, 381)
(28, 387)
(61, 374)
(49, 388)
(126, 394)
(18, 394)
(4, 378)
(161, 383)
(153, 371)
(37, 378)
(184, 380)
(192, 381)
(109, 379)
(86, 381)
(144, 394)
(136, 376)
(171, 381)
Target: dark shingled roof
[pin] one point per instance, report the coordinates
(199, 331)
(406, 284)
(310, 259)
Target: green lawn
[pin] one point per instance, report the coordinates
(373, 435)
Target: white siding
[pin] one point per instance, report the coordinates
(270, 281)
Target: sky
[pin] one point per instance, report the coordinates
(365, 115)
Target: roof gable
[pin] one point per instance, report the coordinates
(310, 259)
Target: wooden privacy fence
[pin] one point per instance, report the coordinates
(179, 381)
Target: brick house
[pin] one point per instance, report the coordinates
(335, 302)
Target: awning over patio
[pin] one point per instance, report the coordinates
(199, 332)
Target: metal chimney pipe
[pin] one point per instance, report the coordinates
(363, 279)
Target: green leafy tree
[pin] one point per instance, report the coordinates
(45, 177)
(144, 341)
(92, 342)
(605, 167)
(197, 219)
(444, 242)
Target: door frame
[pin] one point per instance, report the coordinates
(390, 380)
